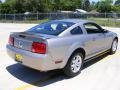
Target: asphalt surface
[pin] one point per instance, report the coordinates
(102, 73)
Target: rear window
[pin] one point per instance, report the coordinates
(51, 28)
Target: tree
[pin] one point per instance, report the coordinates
(30, 5)
(21, 6)
(104, 6)
(34, 6)
(117, 2)
(93, 5)
(78, 4)
(109, 1)
(66, 5)
(116, 8)
(18, 6)
(69, 5)
(86, 5)
(5, 8)
(57, 5)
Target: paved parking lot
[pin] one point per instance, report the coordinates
(100, 74)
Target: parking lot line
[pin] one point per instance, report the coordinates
(24, 87)
(111, 56)
(27, 86)
(2, 53)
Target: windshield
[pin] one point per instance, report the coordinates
(51, 28)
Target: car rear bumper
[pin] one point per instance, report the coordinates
(41, 62)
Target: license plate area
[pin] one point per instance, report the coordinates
(23, 44)
(18, 57)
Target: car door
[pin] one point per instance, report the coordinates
(108, 39)
(95, 39)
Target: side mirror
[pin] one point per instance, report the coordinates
(105, 31)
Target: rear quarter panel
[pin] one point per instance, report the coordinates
(61, 48)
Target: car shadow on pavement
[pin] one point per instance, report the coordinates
(41, 79)
(35, 77)
(93, 61)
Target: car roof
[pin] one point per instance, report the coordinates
(75, 20)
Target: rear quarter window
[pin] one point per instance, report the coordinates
(76, 30)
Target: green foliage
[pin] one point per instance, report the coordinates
(117, 2)
(5, 8)
(86, 5)
(93, 5)
(108, 1)
(66, 5)
(116, 8)
(36, 6)
(104, 6)
(17, 6)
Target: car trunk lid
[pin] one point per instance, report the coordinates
(24, 40)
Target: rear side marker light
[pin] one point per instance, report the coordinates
(11, 41)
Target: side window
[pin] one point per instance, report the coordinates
(92, 28)
(76, 30)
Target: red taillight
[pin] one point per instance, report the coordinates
(11, 40)
(39, 48)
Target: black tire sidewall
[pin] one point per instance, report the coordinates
(111, 50)
(67, 69)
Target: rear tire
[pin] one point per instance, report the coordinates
(74, 64)
(114, 46)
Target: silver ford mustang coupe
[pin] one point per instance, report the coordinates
(61, 44)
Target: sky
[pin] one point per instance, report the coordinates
(2, 0)
(94, 0)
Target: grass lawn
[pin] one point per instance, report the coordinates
(24, 21)
(110, 22)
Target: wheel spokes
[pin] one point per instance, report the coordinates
(76, 63)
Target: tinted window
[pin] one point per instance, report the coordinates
(76, 30)
(51, 28)
(92, 28)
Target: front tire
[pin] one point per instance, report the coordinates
(74, 64)
(114, 46)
